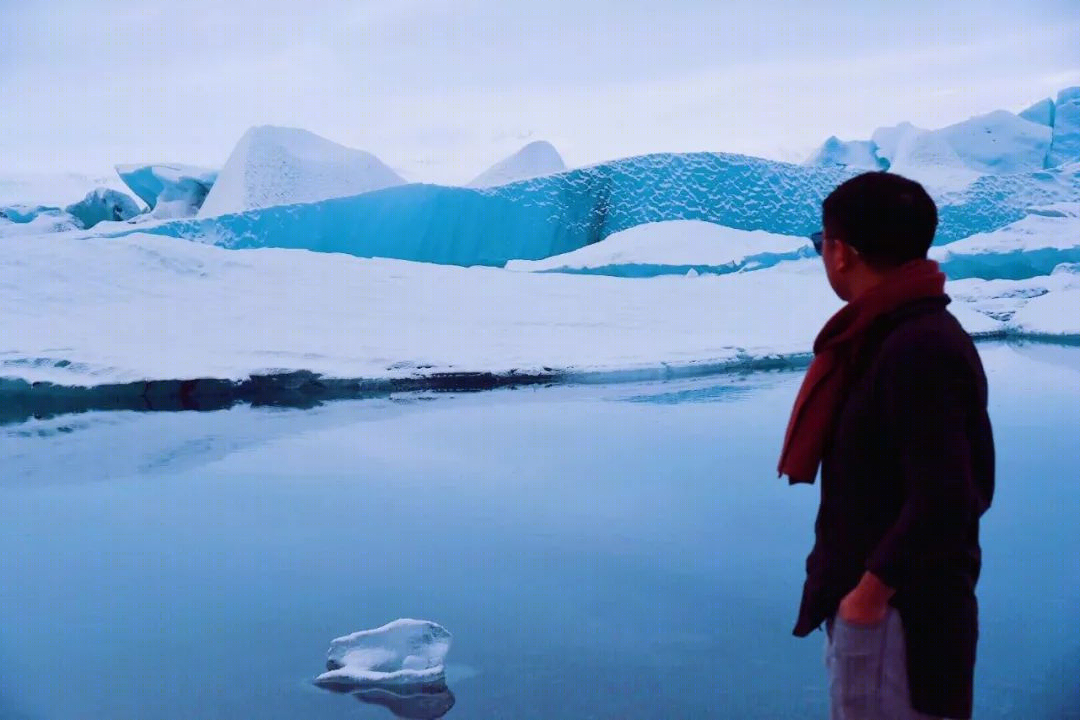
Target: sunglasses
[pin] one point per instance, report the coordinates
(818, 239)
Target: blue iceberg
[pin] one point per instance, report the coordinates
(102, 205)
(545, 216)
(169, 189)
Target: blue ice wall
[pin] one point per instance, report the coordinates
(546, 216)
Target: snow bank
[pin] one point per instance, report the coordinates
(1030, 247)
(1055, 314)
(1001, 299)
(87, 311)
(535, 159)
(281, 166)
(674, 247)
(169, 189)
(403, 653)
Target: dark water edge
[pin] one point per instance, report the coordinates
(21, 400)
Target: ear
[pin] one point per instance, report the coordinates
(845, 257)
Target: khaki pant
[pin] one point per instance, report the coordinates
(867, 670)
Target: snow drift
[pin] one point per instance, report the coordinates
(281, 166)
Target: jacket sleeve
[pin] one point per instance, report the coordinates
(927, 394)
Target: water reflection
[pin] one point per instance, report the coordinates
(420, 704)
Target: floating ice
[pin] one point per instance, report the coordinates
(401, 654)
(535, 159)
(169, 189)
(281, 166)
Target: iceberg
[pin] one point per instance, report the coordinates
(1034, 245)
(999, 142)
(675, 247)
(859, 154)
(1065, 146)
(555, 214)
(169, 189)
(534, 160)
(1045, 135)
(403, 654)
(281, 166)
(102, 205)
(1041, 112)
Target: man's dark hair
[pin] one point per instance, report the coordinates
(887, 218)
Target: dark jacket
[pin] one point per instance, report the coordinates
(907, 473)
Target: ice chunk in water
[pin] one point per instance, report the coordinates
(402, 654)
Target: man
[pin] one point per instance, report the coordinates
(893, 410)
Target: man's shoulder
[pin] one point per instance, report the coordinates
(928, 338)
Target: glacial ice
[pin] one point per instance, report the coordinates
(281, 166)
(855, 154)
(534, 160)
(537, 218)
(1045, 135)
(401, 654)
(34, 220)
(102, 205)
(1041, 112)
(999, 142)
(1065, 147)
(169, 189)
(99, 205)
(1032, 246)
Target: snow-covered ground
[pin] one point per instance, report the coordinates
(84, 311)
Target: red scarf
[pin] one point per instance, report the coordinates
(826, 383)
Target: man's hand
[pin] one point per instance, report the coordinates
(867, 603)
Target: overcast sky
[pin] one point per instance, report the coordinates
(440, 89)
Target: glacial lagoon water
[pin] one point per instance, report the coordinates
(609, 551)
